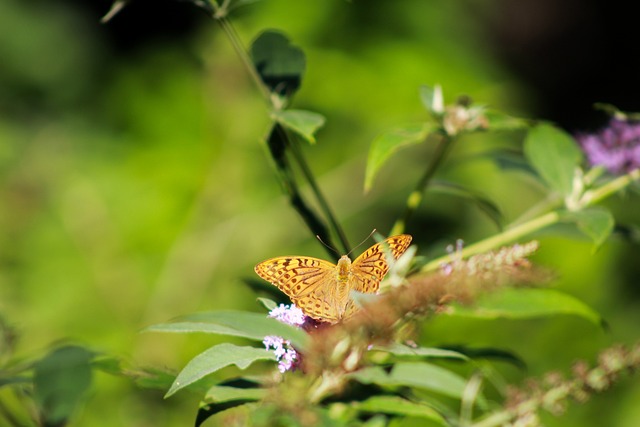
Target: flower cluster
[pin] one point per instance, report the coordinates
(616, 147)
(291, 315)
(505, 257)
(286, 355)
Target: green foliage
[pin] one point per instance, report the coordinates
(528, 303)
(215, 358)
(139, 193)
(554, 155)
(253, 326)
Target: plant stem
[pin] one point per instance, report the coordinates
(291, 143)
(512, 234)
(244, 57)
(322, 201)
(416, 196)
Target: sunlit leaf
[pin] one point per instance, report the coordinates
(527, 303)
(60, 381)
(432, 99)
(597, 223)
(279, 63)
(398, 406)
(388, 143)
(554, 154)
(235, 323)
(304, 123)
(216, 358)
(269, 304)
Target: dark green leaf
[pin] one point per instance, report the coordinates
(304, 123)
(404, 350)
(388, 143)
(398, 406)
(414, 374)
(10, 380)
(484, 204)
(254, 326)
(279, 63)
(527, 303)
(60, 381)
(597, 223)
(555, 155)
(216, 358)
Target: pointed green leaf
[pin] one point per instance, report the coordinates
(555, 155)
(432, 99)
(60, 381)
(220, 394)
(304, 123)
(414, 374)
(279, 63)
(484, 204)
(216, 358)
(398, 406)
(269, 304)
(501, 121)
(254, 326)
(398, 349)
(596, 223)
(527, 303)
(388, 143)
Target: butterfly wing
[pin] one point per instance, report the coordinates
(309, 282)
(371, 266)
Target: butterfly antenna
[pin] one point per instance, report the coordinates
(327, 246)
(360, 244)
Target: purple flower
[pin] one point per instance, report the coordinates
(286, 355)
(291, 315)
(616, 147)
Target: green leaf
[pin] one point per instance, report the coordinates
(304, 123)
(279, 63)
(269, 304)
(484, 204)
(501, 121)
(414, 374)
(554, 154)
(60, 381)
(398, 349)
(527, 303)
(596, 223)
(432, 99)
(388, 143)
(221, 394)
(254, 326)
(398, 406)
(216, 358)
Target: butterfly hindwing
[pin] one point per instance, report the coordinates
(371, 266)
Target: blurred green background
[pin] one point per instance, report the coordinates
(135, 186)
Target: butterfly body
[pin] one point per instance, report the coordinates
(322, 289)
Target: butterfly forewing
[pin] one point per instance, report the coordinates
(295, 276)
